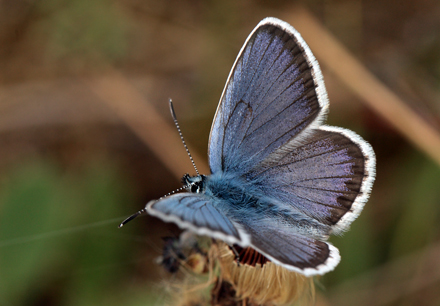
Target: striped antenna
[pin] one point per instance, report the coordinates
(173, 114)
(144, 210)
(141, 212)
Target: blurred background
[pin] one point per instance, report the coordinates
(86, 138)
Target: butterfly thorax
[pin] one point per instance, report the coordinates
(230, 188)
(236, 191)
(194, 184)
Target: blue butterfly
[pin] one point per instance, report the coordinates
(281, 181)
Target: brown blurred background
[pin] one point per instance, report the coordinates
(86, 138)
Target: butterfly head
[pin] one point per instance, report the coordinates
(194, 184)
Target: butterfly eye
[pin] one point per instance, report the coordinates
(195, 188)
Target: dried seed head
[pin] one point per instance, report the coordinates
(261, 281)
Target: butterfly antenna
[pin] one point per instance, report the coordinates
(173, 114)
(141, 212)
(173, 192)
(144, 210)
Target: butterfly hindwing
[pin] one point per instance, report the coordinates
(293, 251)
(273, 93)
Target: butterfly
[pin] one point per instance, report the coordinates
(281, 182)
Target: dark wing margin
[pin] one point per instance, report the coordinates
(274, 92)
(197, 213)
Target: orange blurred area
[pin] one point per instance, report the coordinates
(86, 138)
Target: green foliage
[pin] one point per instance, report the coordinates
(50, 236)
(419, 209)
(83, 30)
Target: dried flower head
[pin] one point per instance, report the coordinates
(260, 281)
(233, 276)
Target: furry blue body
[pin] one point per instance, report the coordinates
(243, 202)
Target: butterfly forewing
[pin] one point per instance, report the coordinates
(196, 212)
(270, 97)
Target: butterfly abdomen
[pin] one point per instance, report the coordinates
(242, 200)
